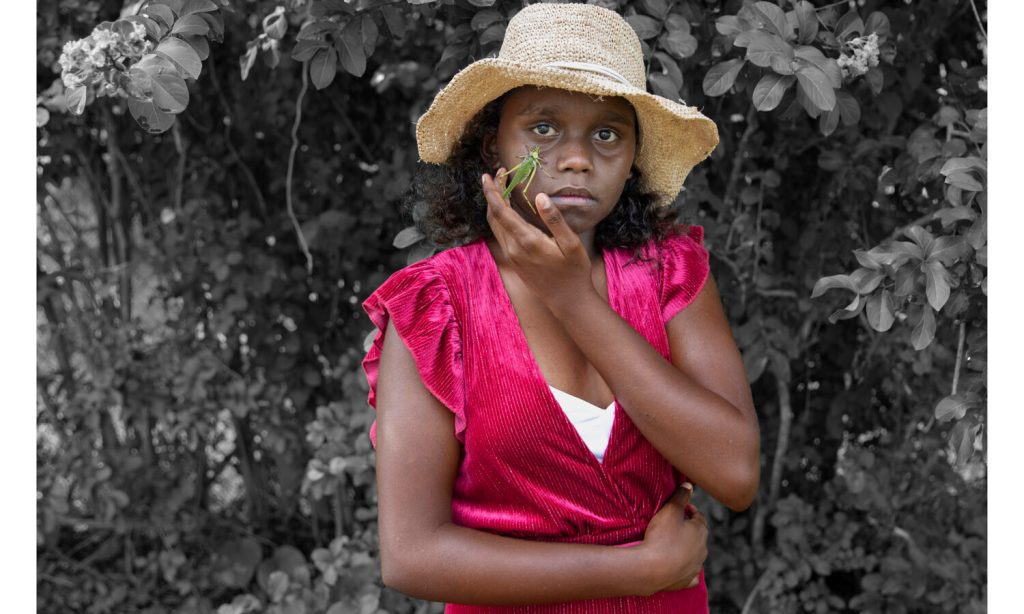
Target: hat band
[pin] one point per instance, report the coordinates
(587, 66)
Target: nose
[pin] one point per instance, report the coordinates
(574, 155)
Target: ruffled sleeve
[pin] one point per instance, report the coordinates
(417, 300)
(684, 269)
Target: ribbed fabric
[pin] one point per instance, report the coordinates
(525, 471)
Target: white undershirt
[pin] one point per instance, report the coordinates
(593, 423)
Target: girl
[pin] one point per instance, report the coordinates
(547, 392)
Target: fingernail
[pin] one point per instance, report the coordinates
(544, 202)
(687, 486)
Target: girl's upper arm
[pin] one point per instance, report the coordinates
(417, 454)
(703, 347)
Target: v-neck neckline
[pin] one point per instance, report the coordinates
(538, 377)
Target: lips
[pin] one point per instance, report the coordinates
(572, 191)
(571, 196)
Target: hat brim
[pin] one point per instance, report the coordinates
(674, 138)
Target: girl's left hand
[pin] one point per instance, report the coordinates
(557, 268)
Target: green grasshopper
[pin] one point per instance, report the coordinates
(524, 173)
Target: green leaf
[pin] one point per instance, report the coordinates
(896, 253)
(275, 24)
(867, 260)
(807, 21)
(829, 121)
(482, 3)
(370, 35)
(850, 311)
(755, 359)
(154, 29)
(174, 5)
(947, 249)
(191, 25)
(936, 279)
(877, 23)
(849, 26)
(951, 215)
(769, 90)
(304, 50)
(721, 77)
(644, 26)
(965, 181)
(350, 46)
(831, 160)
(728, 25)
(880, 311)
(198, 6)
(150, 118)
(815, 85)
(160, 13)
(200, 44)
(170, 94)
(815, 57)
(656, 8)
(831, 282)
(407, 236)
(769, 50)
(849, 108)
(248, 59)
(315, 30)
(955, 406)
(216, 23)
(954, 165)
(677, 23)
(485, 18)
(494, 33)
(922, 335)
(962, 438)
(773, 19)
(922, 237)
(875, 79)
(75, 99)
(865, 280)
(680, 44)
(323, 67)
(182, 54)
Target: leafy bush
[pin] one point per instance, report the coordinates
(209, 225)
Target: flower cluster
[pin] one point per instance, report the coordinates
(87, 61)
(859, 54)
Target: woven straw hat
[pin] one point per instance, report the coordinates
(581, 48)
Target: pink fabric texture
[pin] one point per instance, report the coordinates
(525, 471)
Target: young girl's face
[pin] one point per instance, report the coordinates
(587, 144)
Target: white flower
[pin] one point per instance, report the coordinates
(859, 54)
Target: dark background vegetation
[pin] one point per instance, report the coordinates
(202, 419)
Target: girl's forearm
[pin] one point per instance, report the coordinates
(460, 565)
(703, 435)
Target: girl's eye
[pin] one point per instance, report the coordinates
(549, 130)
(606, 135)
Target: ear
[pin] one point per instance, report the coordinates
(489, 150)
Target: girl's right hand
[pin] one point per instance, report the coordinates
(676, 539)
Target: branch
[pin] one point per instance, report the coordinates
(231, 146)
(978, 17)
(781, 447)
(737, 163)
(291, 169)
(959, 355)
(749, 603)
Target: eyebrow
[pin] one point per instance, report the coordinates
(608, 115)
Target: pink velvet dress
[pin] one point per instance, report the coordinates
(525, 470)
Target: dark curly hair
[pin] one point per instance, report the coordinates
(447, 203)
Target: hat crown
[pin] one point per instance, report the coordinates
(553, 33)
